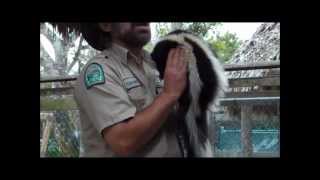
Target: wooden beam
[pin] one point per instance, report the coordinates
(56, 91)
(212, 133)
(76, 56)
(252, 66)
(227, 67)
(269, 81)
(255, 81)
(45, 137)
(268, 155)
(271, 93)
(58, 78)
(246, 142)
(249, 101)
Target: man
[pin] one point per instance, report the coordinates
(124, 112)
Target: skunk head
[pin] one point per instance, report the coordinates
(198, 55)
(162, 48)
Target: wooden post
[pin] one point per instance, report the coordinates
(279, 128)
(212, 130)
(45, 137)
(246, 111)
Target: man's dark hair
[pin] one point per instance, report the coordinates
(96, 38)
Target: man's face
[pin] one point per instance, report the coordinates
(132, 34)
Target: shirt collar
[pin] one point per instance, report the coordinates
(124, 53)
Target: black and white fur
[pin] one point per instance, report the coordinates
(206, 83)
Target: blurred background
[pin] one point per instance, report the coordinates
(245, 124)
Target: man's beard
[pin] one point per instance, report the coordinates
(136, 37)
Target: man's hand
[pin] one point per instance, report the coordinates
(175, 74)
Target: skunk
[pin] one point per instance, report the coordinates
(206, 83)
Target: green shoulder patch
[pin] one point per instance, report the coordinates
(94, 75)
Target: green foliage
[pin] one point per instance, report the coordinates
(49, 104)
(198, 28)
(162, 29)
(225, 45)
(148, 47)
(68, 142)
(62, 140)
(53, 148)
(201, 29)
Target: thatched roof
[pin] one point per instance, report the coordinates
(90, 32)
(66, 28)
(264, 46)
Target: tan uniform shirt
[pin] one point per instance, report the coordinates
(128, 85)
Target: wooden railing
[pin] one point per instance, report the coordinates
(228, 67)
(251, 66)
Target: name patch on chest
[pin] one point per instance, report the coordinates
(131, 82)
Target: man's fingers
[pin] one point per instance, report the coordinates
(182, 59)
(170, 57)
(178, 64)
(175, 57)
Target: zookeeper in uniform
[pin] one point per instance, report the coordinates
(124, 108)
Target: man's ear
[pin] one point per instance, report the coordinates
(106, 27)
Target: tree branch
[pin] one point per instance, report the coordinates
(75, 59)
